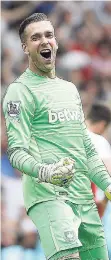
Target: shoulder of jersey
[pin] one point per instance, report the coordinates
(67, 82)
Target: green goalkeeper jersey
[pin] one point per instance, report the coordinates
(45, 123)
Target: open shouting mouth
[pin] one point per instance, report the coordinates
(46, 53)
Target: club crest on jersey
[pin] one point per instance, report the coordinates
(13, 108)
(70, 236)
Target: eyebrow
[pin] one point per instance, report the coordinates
(39, 34)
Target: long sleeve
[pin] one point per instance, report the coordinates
(97, 170)
(18, 108)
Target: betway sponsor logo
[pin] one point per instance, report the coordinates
(64, 115)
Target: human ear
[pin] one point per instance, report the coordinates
(25, 48)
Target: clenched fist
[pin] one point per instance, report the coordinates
(60, 173)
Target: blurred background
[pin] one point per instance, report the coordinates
(83, 32)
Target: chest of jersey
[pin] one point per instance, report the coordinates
(56, 103)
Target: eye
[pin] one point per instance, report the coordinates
(36, 38)
(49, 35)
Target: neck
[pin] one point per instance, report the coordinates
(35, 69)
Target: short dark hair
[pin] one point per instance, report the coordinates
(99, 112)
(36, 17)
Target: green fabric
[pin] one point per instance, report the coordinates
(57, 226)
(99, 253)
(64, 225)
(49, 125)
(91, 233)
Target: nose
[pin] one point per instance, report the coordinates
(44, 40)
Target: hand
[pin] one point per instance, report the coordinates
(60, 173)
(108, 192)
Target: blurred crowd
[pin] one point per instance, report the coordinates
(83, 32)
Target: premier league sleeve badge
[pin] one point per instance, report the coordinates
(13, 109)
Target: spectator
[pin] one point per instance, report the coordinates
(101, 63)
(26, 246)
(104, 12)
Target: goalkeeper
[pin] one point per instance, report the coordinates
(48, 142)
